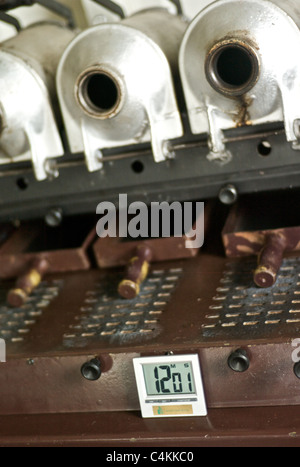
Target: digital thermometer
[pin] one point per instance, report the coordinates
(170, 386)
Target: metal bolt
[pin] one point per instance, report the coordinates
(54, 217)
(228, 195)
(51, 169)
(91, 370)
(239, 361)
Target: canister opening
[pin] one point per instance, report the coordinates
(99, 93)
(232, 67)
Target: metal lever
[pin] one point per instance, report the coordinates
(136, 273)
(27, 283)
(270, 260)
(10, 20)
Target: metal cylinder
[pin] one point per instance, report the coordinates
(122, 92)
(232, 67)
(163, 28)
(28, 99)
(238, 68)
(42, 46)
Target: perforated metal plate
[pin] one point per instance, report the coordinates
(104, 315)
(239, 307)
(16, 323)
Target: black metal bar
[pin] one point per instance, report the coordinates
(60, 9)
(10, 20)
(177, 3)
(6, 5)
(112, 6)
(52, 5)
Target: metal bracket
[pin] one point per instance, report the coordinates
(60, 9)
(53, 5)
(10, 20)
(112, 6)
(177, 3)
(118, 10)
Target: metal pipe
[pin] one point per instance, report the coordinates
(232, 67)
(99, 92)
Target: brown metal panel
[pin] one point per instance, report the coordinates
(253, 427)
(204, 305)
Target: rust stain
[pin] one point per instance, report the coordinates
(243, 115)
(240, 35)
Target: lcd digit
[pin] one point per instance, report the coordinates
(163, 379)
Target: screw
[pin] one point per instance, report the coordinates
(54, 217)
(51, 169)
(91, 370)
(239, 361)
(228, 195)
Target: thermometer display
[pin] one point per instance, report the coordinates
(170, 386)
(169, 378)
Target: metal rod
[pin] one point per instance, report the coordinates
(267, 134)
(182, 146)
(144, 152)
